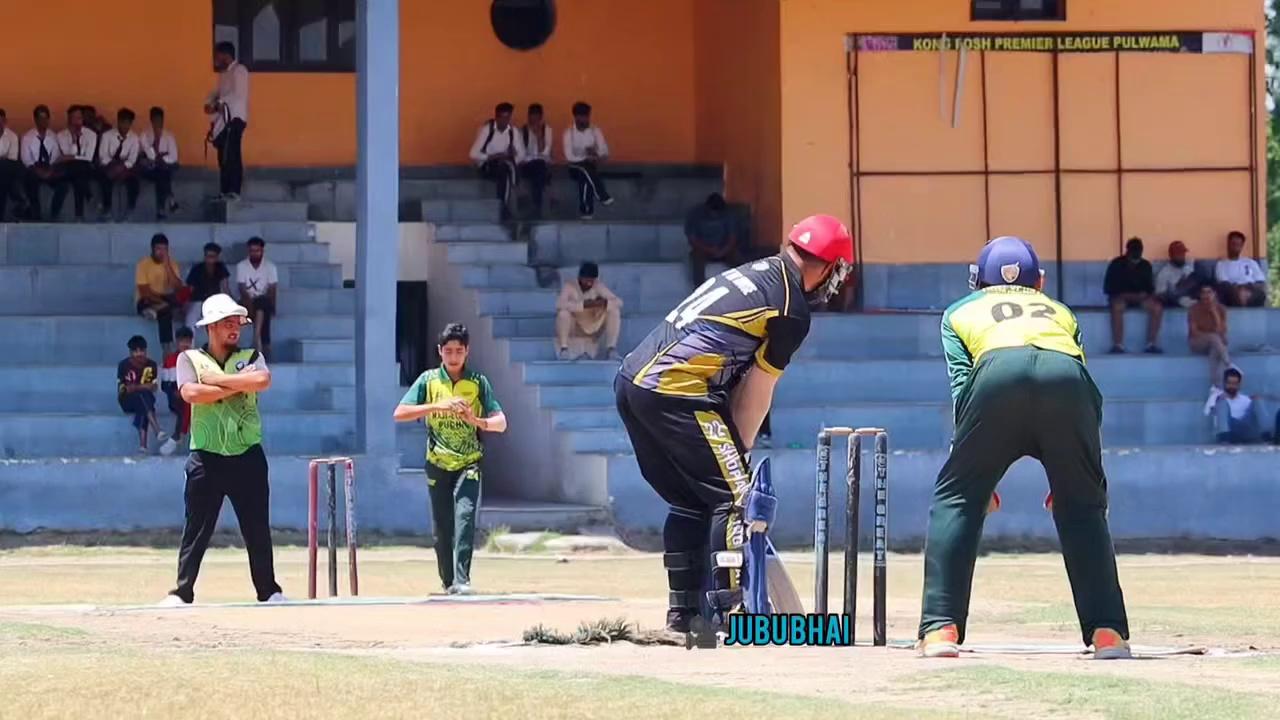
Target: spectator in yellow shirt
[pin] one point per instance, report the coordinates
(158, 292)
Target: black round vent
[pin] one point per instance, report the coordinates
(523, 24)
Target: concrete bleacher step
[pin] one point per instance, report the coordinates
(496, 253)
(541, 326)
(575, 396)
(570, 243)
(587, 418)
(648, 300)
(101, 340)
(126, 244)
(325, 350)
(473, 232)
(241, 211)
(461, 210)
(522, 515)
(34, 435)
(579, 372)
(91, 388)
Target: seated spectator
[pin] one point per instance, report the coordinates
(1237, 418)
(205, 280)
(169, 384)
(136, 390)
(584, 150)
(159, 292)
(588, 317)
(1207, 333)
(118, 158)
(536, 138)
(159, 162)
(497, 152)
(1241, 281)
(257, 278)
(40, 155)
(11, 169)
(1176, 283)
(1129, 283)
(713, 237)
(77, 146)
(95, 122)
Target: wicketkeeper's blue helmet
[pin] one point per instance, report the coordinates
(1006, 260)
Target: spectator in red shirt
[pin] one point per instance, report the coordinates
(169, 384)
(136, 390)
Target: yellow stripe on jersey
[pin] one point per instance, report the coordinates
(764, 363)
(658, 356)
(1013, 316)
(689, 378)
(751, 322)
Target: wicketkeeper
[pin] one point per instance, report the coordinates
(1020, 387)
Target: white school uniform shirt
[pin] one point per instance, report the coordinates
(576, 143)
(233, 92)
(9, 145)
(78, 149)
(167, 152)
(127, 144)
(490, 140)
(256, 280)
(32, 142)
(536, 148)
(1241, 271)
(1239, 406)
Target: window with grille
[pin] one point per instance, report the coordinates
(289, 35)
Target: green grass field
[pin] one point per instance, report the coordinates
(404, 661)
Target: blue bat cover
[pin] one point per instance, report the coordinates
(762, 506)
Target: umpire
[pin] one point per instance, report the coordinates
(1020, 388)
(221, 383)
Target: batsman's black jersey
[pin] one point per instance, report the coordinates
(755, 313)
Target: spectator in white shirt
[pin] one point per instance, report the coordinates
(40, 155)
(584, 150)
(118, 156)
(1237, 418)
(228, 106)
(11, 169)
(1240, 279)
(77, 145)
(1176, 282)
(536, 138)
(588, 317)
(257, 278)
(159, 162)
(497, 151)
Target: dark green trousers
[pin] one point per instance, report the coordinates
(1019, 402)
(455, 496)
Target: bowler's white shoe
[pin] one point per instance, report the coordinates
(171, 600)
(169, 447)
(277, 598)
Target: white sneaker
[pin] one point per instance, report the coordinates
(169, 447)
(171, 600)
(149, 314)
(161, 436)
(277, 598)
(460, 589)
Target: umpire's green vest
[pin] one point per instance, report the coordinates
(232, 425)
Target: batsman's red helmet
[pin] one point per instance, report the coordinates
(823, 237)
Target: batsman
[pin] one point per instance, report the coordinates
(693, 394)
(1020, 388)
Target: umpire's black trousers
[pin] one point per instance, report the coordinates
(243, 479)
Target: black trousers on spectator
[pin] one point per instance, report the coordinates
(11, 175)
(536, 172)
(132, 186)
(77, 175)
(31, 185)
(261, 304)
(242, 479)
(161, 174)
(503, 174)
(230, 159)
(164, 318)
(590, 186)
(699, 258)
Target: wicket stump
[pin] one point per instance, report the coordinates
(313, 512)
(821, 526)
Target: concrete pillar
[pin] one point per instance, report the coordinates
(377, 220)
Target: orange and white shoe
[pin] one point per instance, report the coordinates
(1108, 645)
(941, 643)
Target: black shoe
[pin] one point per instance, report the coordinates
(1116, 350)
(1154, 349)
(703, 634)
(680, 620)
